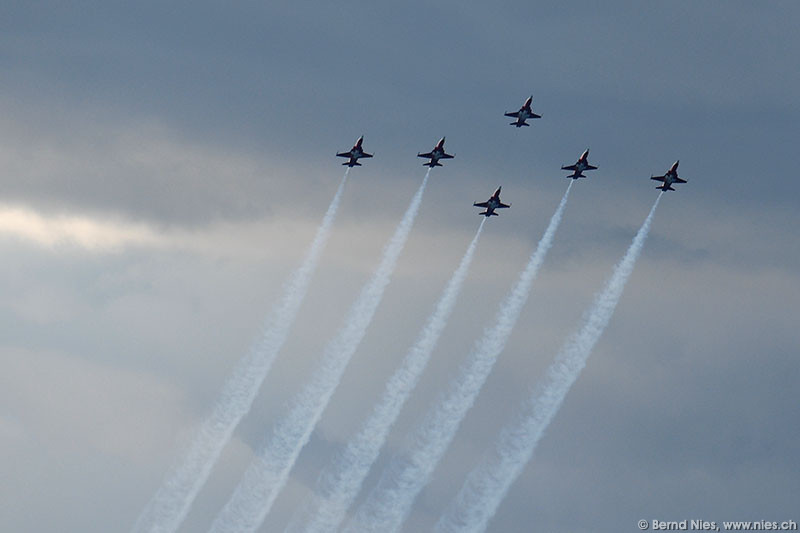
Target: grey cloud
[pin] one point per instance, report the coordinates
(216, 127)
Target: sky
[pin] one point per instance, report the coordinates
(163, 168)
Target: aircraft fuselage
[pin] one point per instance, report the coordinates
(354, 154)
(494, 203)
(581, 165)
(525, 112)
(491, 204)
(670, 178)
(436, 154)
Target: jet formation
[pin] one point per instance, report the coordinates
(525, 112)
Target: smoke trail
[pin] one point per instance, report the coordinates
(170, 504)
(339, 485)
(267, 474)
(487, 484)
(388, 504)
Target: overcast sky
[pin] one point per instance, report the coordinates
(164, 166)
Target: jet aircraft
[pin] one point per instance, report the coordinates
(491, 204)
(669, 178)
(578, 168)
(523, 114)
(355, 153)
(435, 155)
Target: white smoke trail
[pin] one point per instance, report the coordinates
(170, 504)
(488, 483)
(267, 474)
(339, 485)
(388, 504)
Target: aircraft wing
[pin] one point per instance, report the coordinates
(365, 154)
(570, 167)
(481, 204)
(591, 167)
(514, 114)
(657, 178)
(503, 205)
(447, 156)
(428, 155)
(343, 154)
(679, 180)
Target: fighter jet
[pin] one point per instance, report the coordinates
(355, 153)
(578, 168)
(491, 204)
(523, 114)
(437, 154)
(669, 178)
